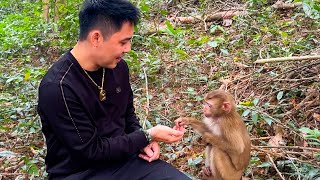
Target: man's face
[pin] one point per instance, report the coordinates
(110, 51)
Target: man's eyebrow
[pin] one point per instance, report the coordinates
(127, 39)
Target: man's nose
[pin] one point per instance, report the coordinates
(127, 47)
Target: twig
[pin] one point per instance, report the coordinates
(291, 147)
(311, 31)
(280, 59)
(266, 151)
(304, 154)
(299, 67)
(295, 80)
(147, 92)
(11, 174)
(275, 167)
(260, 138)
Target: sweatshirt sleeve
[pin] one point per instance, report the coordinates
(132, 121)
(69, 122)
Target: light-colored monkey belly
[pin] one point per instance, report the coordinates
(214, 127)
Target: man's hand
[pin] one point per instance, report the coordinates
(166, 134)
(151, 152)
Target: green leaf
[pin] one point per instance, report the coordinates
(280, 95)
(192, 162)
(269, 121)
(33, 170)
(148, 124)
(32, 130)
(27, 75)
(198, 160)
(214, 28)
(224, 51)
(213, 44)
(256, 101)
(170, 27)
(7, 154)
(246, 113)
(247, 103)
(316, 7)
(255, 117)
(145, 7)
(305, 130)
(202, 40)
(265, 164)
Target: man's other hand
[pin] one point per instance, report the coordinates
(151, 152)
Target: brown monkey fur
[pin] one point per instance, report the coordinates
(228, 149)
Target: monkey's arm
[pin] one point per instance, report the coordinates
(197, 125)
(220, 142)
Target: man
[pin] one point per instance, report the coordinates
(86, 105)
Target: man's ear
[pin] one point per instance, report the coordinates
(226, 106)
(95, 38)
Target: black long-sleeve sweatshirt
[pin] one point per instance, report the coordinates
(81, 131)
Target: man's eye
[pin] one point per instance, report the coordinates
(123, 43)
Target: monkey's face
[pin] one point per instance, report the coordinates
(207, 109)
(213, 108)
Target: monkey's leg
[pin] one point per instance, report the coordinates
(206, 169)
(224, 166)
(225, 145)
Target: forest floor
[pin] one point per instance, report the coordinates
(174, 63)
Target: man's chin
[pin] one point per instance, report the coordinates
(111, 66)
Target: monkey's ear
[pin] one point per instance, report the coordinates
(226, 106)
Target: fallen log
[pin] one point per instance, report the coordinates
(280, 59)
(212, 17)
(280, 5)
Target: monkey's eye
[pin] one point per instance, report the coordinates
(205, 103)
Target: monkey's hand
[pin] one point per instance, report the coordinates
(206, 171)
(182, 121)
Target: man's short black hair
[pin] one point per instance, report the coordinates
(106, 16)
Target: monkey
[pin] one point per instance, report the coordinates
(228, 141)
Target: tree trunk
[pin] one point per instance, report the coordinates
(45, 10)
(57, 6)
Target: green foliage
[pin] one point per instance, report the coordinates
(313, 136)
(68, 25)
(195, 162)
(251, 108)
(20, 32)
(311, 8)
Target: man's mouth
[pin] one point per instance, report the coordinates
(119, 58)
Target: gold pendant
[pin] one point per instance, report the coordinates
(102, 95)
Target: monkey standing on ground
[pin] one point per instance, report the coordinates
(228, 149)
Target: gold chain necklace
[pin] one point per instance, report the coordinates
(102, 93)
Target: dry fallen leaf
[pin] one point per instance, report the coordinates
(316, 117)
(276, 140)
(227, 22)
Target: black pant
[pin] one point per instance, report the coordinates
(136, 168)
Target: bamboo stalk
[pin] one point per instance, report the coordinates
(281, 59)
